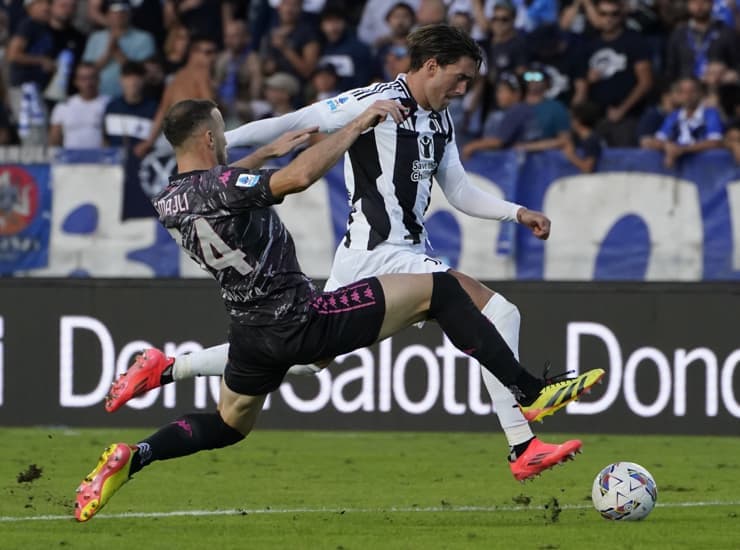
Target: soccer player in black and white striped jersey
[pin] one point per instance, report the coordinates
(388, 173)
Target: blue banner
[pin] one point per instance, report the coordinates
(25, 213)
(633, 219)
(646, 209)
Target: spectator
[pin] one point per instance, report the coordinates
(128, 117)
(110, 48)
(374, 25)
(193, 81)
(618, 77)
(461, 19)
(324, 83)
(69, 44)
(154, 79)
(351, 58)
(175, 49)
(507, 125)
(397, 61)
(528, 14)
(583, 146)
(715, 76)
(147, 15)
(238, 73)
(727, 11)
(293, 46)
(31, 57)
(78, 122)
(531, 14)
(401, 19)
(200, 17)
(579, 16)
(15, 12)
(693, 45)
(551, 118)
(507, 49)
(689, 129)
(281, 90)
(534, 124)
(654, 116)
(431, 12)
(560, 60)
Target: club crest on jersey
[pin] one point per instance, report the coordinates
(336, 102)
(247, 180)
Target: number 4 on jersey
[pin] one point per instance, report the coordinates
(216, 253)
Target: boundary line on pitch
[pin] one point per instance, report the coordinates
(391, 510)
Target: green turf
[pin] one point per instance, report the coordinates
(368, 490)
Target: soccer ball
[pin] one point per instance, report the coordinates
(624, 491)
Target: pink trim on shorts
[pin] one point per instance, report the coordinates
(347, 298)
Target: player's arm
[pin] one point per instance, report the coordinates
(475, 202)
(283, 145)
(329, 115)
(315, 161)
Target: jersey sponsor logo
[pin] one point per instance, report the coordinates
(423, 170)
(247, 180)
(335, 103)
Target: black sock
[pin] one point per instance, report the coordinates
(516, 451)
(471, 332)
(185, 436)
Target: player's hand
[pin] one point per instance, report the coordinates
(536, 221)
(379, 111)
(290, 141)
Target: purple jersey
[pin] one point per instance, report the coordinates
(223, 218)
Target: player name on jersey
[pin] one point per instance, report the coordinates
(172, 205)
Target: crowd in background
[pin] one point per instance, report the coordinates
(574, 75)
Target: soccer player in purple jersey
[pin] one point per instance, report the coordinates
(222, 216)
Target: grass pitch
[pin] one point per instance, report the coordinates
(349, 490)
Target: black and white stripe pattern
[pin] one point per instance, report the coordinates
(389, 170)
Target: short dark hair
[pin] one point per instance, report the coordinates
(445, 44)
(403, 6)
(133, 68)
(697, 83)
(184, 117)
(587, 113)
(196, 39)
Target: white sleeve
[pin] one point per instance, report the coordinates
(465, 196)
(329, 115)
(58, 114)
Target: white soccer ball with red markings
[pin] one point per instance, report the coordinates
(624, 491)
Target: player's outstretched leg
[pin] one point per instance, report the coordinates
(470, 331)
(185, 436)
(112, 471)
(528, 455)
(152, 369)
(558, 392)
(539, 456)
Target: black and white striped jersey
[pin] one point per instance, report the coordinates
(389, 169)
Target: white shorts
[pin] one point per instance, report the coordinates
(351, 265)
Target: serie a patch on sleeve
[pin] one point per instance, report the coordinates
(247, 180)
